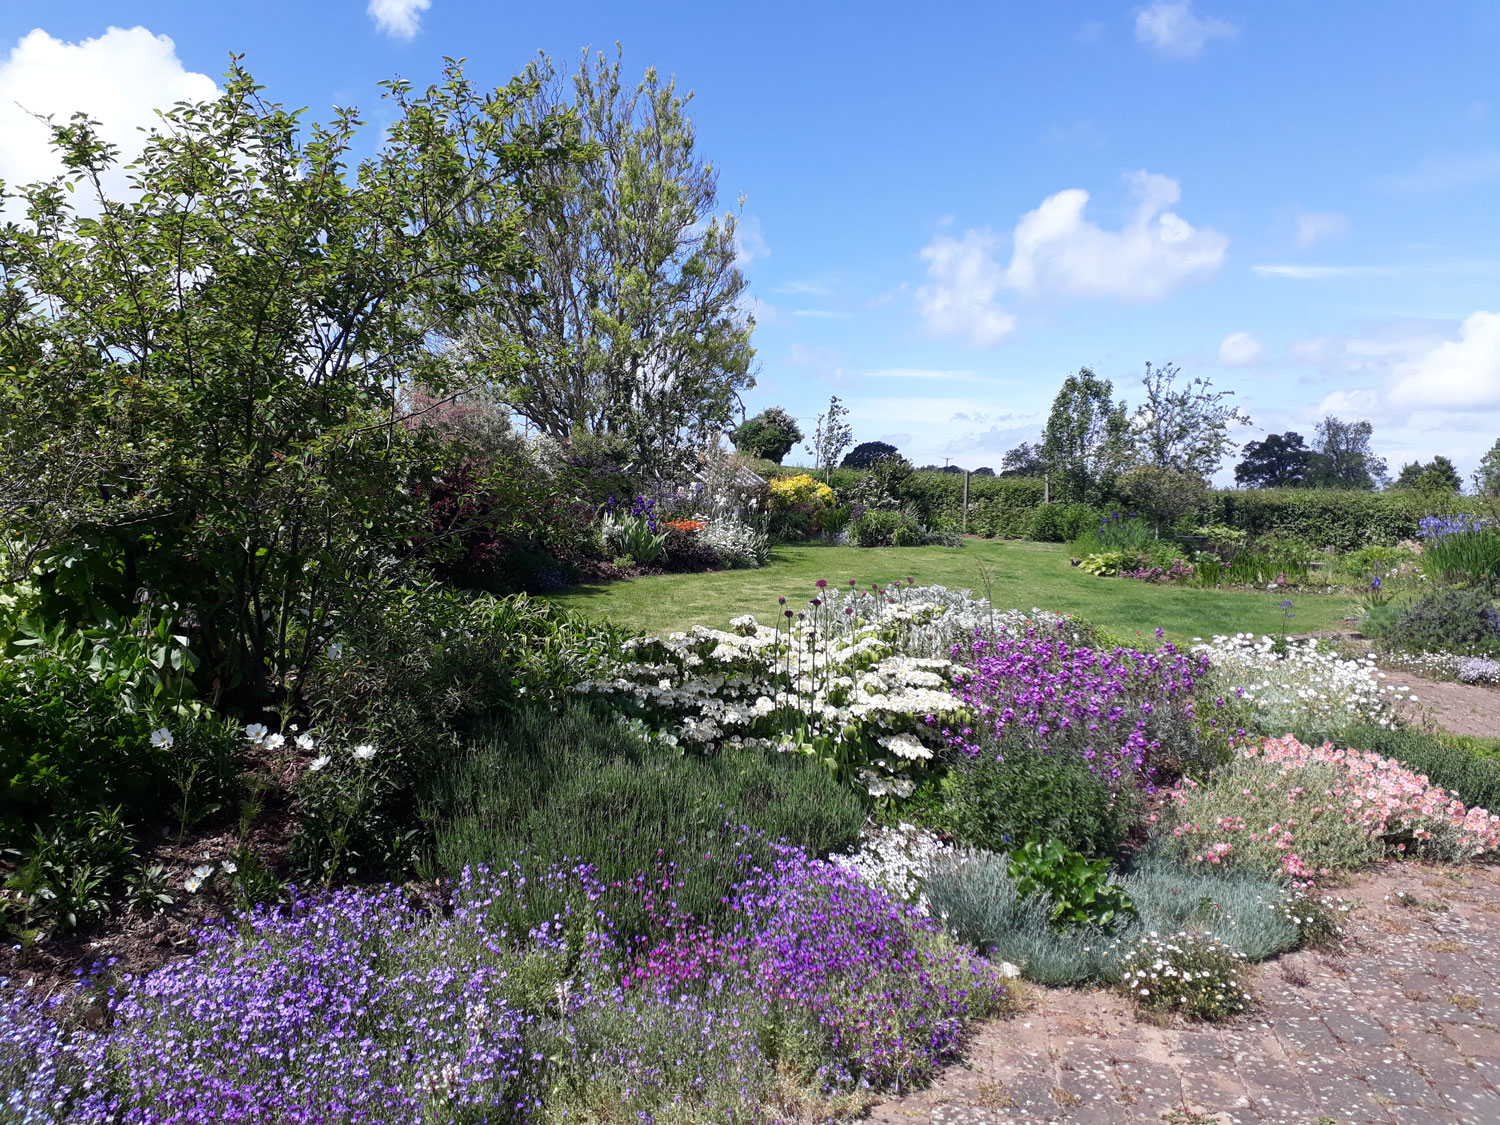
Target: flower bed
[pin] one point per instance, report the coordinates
(1117, 709)
(358, 1006)
(1286, 808)
(1302, 687)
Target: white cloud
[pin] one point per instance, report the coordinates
(823, 314)
(1323, 273)
(400, 19)
(1462, 374)
(804, 289)
(1058, 250)
(1239, 349)
(749, 242)
(120, 79)
(963, 280)
(1319, 226)
(1171, 27)
(927, 374)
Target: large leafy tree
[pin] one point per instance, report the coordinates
(629, 311)
(866, 453)
(1025, 460)
(1183, 426)
(769, 435)
(1342, 457)
(1086, 441)
(200, 388)
(1441, 475)
(1281, 461)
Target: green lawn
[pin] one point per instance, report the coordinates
(1023, 575)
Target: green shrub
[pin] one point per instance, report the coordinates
(979, 900)
(1082, 891)
(1447, 762)
(548, 786)
(1445, 620)
(885, 529)
(996, 805)
(1049, 523)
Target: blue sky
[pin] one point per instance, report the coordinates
(948, 207)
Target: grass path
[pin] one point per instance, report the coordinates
(1022, 575)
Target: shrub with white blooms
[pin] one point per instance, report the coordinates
(897, 860)
(1301, 686)
(850, 676)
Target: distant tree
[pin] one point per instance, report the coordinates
(1163, 494)
(1183, 427)
(770, 435)
(831, 436)
(1025, 460)
(867, 452)
(1087, 437)
(1281, 461)
(983, 471)
(1342, 457)
(1487, 479)
(1440, 476)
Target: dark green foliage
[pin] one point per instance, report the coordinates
(1281, 461)
(997, 804)
(548, 786)
(1446, 620)
(1446, 762)
(1344, 519)
(1080, 889)
(1087, 438)
(770, 435)
(1439, 476)
(1047, 524)
(1343, 457)
(865, 454)
(63, 878)
(73, 741)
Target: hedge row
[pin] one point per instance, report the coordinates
(1012, 508)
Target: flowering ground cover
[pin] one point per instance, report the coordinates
(1284, 808)
(357, 1006)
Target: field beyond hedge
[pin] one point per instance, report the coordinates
(1023, 575)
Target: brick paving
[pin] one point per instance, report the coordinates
(1401, 1028)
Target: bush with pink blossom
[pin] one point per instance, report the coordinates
(1285, 808)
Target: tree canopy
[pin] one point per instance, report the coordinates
(1342, 457)
(1086, 441)
(866, 453)
(1280, 461)
(627, 307)
(770, 435)
(1183, 427)
(1440, 475)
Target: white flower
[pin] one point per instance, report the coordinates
(335, 651)
(229, 867)
(275, 741)
(319, 762)
(161, 739)
(192, 884)
(304, 742)
(255, 732)
(364, 752)
(1008, 971)
(203, 870)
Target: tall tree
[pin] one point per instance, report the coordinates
(199, 387)
(1025, 460)
(1487, 478)
(1087, 437)
(631, 312)
(831, 436)
(769, 436)
(1439, 476)
(866, 453)
(1281, 461)
(1183, 426)
(1343, 458)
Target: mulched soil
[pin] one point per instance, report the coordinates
(1401, 1028)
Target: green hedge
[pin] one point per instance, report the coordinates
(1007, 507)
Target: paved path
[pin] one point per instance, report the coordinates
(1403, 1029)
